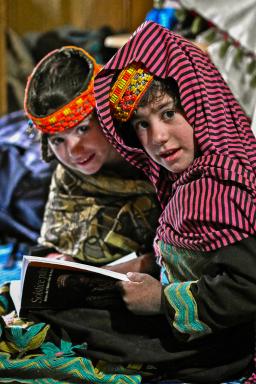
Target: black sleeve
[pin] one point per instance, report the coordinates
(226, 293)
(224, 296)
(41, 250)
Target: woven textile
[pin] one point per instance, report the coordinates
(226, 165)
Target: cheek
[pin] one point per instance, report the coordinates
(190, 138)
(58, 151)
(143, 137)
(186, 133)
(101, 143)
(52, 148)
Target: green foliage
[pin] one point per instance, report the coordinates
(251, 67)
(253, 80)
(211, 35)
(197, 25)
(224, 48)
(181, 14)
(239, 55)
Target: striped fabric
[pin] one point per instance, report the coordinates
(186, 314)
(213, 202)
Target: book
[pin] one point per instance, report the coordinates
(58, 284)
(124, 259)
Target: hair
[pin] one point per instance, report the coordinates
(59, 79)
(157, 89)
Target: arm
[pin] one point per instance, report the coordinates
(224, 296)
(142, 294)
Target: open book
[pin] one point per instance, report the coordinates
(57, 284)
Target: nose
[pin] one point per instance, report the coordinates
(74, 148)
(159, 134)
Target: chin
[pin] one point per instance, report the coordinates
(90, 172)
(176, 169)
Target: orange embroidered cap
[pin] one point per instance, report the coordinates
(77, 109)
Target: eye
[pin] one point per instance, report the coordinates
(82, 128)
(168, 114)
(56, 140)
(140, 124)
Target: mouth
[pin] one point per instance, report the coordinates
(169, 154)
(86, 161)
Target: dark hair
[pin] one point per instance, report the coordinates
(58, 80)
(155, 92)
(158, 88)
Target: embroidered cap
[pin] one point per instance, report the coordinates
(78, 108)
(127, 91)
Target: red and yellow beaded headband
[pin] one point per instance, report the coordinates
(127, 91)
(77, 109)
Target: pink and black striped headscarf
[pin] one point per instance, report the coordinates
(213, 202)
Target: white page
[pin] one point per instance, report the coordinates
(15, 293)
(74, 265)
(125, 258)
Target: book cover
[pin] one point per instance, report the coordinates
(56, 284)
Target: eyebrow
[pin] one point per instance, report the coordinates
(159, 106)
(163, 105)
(52, 137)
(87, 120)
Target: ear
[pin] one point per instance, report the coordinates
(47, 154)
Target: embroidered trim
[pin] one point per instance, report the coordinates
(186, 318)
(76, 110)
(127, 91)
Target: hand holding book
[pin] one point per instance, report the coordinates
(41, 289)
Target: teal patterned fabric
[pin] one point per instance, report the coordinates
(27, 352)
(27, 355)
(60, 366)
(186, 318)
(181, 268)
(186, 265)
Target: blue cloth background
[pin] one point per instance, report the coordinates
(12, 273)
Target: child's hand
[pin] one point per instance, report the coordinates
(60, 256)
(142, 294)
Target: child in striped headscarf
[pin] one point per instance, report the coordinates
(94, 214)
(165, 107)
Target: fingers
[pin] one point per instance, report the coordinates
(54, 255)
(142, 294)
(59, 256)
(136, 277)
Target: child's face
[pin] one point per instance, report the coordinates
(165, 134)
(83, 148)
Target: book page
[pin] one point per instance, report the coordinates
(15, 293)
(124, 259)
(69, 265)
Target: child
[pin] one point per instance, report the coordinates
(166, 109)
(99, 209)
